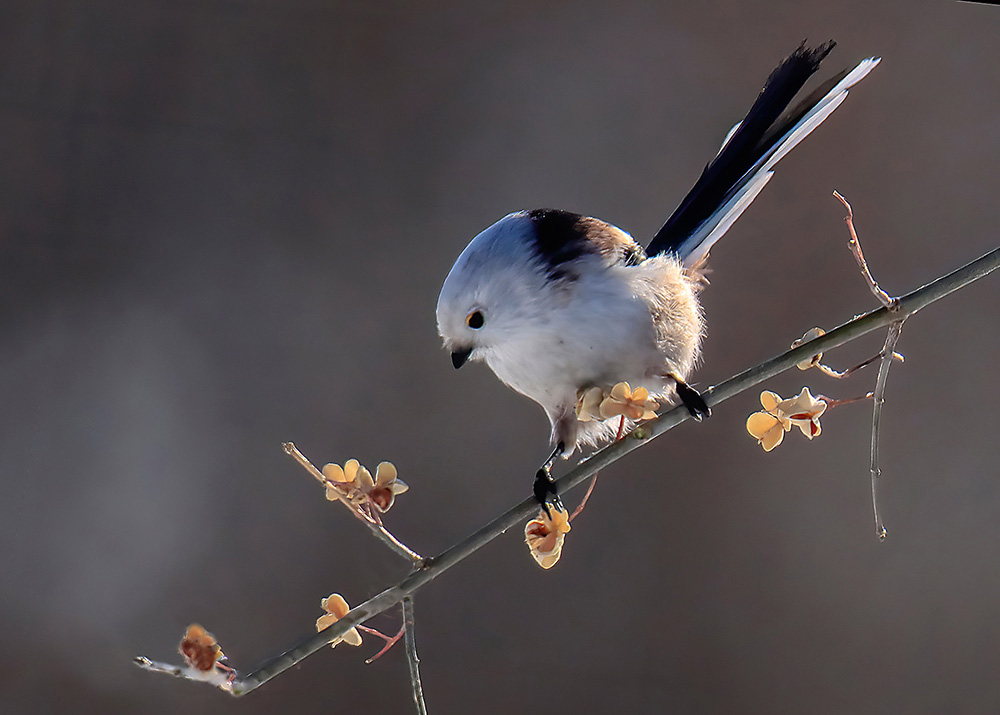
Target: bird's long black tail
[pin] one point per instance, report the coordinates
(744, 163)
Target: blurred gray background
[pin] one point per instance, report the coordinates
(224, 224)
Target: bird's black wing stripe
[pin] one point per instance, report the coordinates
(559, 239)
(744, 148)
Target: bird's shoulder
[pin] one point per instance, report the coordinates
(561, 238)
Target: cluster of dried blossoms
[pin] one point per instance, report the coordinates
(803, 411)
(779, 416)
(598, 403)
(354, 483)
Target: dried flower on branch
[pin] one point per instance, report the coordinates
(545, 535)
(779, 416)
(355, 483)
(336, 608)
(596, 403)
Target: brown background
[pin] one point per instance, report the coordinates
(224, 224)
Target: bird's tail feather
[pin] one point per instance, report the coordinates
(751, 149)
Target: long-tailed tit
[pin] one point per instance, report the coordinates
(556, 303)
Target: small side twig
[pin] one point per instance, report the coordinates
(390, 641)
(831, 402)
(842, 374)
(412, 660)
(884, 298)
(593, 480)
(583, 502)
(879, 397)
(220, 676)
(380, 532)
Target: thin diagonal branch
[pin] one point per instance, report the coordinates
(435, 566)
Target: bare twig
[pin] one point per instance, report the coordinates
(884, 298)
(831, 403)
(222, 678)
(411, 656)
(586, 497)
(390, 641)
(883, 373)
(434, 567)
(374, 525)
(841, 374)
(593, 480)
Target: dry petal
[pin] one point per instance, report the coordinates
(325, 621)
(337, 483)
(810, 334)
(769, 400)
(335, 473)
(363, 480)
(399, 486)
(559, 519)
(588, 404)
(635, 405)
(352, 637)
(804, 411)
(767, 429)
(804, 402)
(621, 391)
(385, 473)
(810, 428)
(335, 604)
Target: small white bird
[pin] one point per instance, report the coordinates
(556, 303)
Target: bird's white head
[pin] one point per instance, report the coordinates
(494, 292)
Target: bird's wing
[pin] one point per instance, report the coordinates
(561, 238)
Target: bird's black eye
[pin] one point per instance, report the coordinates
(475, 320)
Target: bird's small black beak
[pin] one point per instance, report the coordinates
(459, 357)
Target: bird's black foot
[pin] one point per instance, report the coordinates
(544, 486)
(693, 400)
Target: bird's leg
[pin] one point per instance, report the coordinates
(692, 399)
(544, 485)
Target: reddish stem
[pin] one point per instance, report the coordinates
(390, 641)
(593, 481)
(831, 403)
